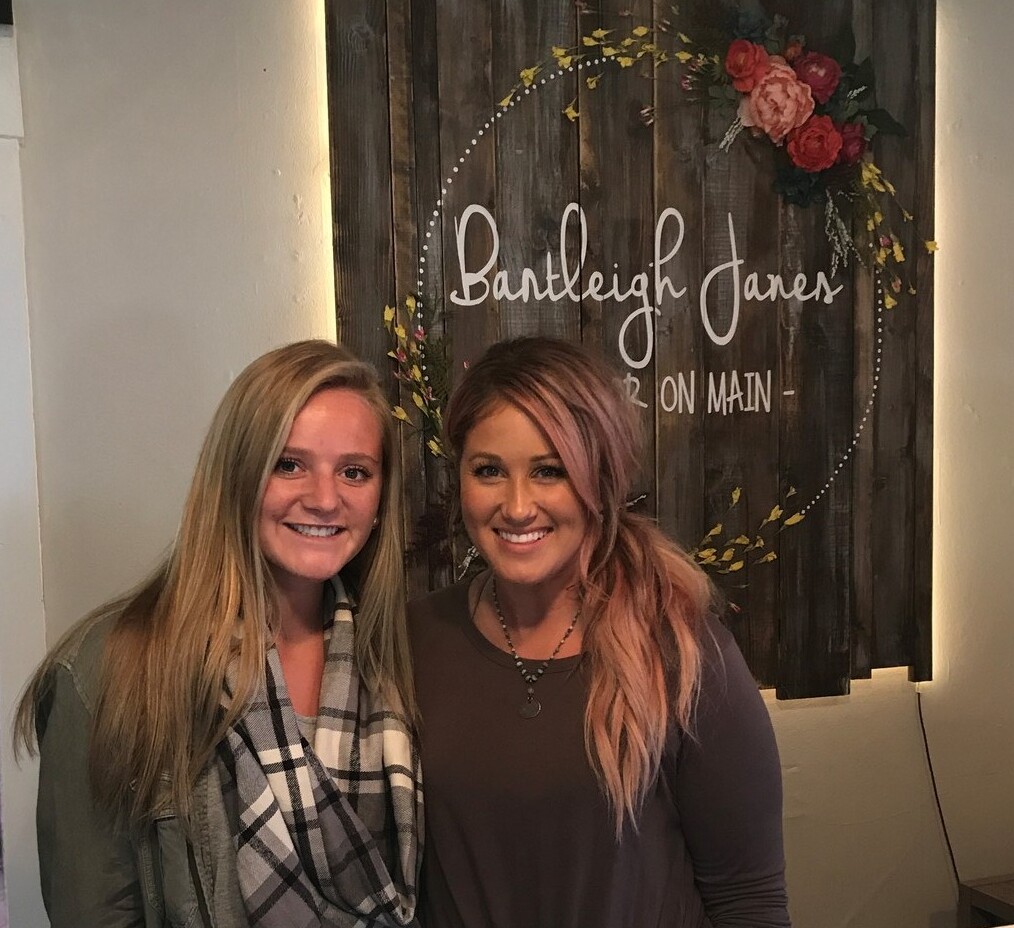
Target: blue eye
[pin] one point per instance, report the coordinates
(551, 472)
(356, 473)
(485, 471)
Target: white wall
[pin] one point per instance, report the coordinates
(178, 225)
(22, 628)
(970, 705)
(863, 845)
(175, 211)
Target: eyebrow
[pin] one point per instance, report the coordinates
(488, 456)
(353, 457)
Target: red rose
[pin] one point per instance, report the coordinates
(853, 142)
(746, 62)
(814, 146)
(820, 72)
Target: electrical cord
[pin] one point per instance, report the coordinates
(933, 781)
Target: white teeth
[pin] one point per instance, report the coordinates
(522, 539)
(316, 531)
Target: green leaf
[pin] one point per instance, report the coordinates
(864, 76)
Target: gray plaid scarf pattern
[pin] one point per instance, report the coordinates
(328, 835)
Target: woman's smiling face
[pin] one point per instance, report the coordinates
(324, 493)
(517, 502)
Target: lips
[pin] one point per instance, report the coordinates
(522, 538)
(314, 531)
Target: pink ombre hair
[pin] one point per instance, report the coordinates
(645, 600)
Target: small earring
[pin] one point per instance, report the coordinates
(376, 521)
(470, 555)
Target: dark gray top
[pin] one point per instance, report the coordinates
(518, 831)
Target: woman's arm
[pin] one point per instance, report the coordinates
(89, 875)
(729, 792)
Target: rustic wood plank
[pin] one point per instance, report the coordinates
(741, 414)
(536, 159)
(617, 197)
(406, 245)
(467, 105)
(921, 655)
(679, 425)
(356, 36)
(816, 427)
(861, 470)
(893, 547)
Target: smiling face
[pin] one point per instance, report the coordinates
(518, 504)
(323, 495)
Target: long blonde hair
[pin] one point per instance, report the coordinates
(212, 602)
(645, 601)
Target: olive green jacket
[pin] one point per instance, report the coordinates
(95, 876)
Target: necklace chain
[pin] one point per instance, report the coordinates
(530, 677)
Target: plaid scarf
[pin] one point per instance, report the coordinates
(327, 835)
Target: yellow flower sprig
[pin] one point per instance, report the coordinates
(409, 356)
(887, 250)
(732, 554)
(602, 43)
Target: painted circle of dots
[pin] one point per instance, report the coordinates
(877, 357)
(879, 287)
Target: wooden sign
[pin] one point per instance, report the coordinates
(515, 168)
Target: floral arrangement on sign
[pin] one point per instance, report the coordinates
(816, 110)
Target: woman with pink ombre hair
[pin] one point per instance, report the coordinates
(596, 752)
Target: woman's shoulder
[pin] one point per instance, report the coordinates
(79, 655)
(434, 617)
(726, 679)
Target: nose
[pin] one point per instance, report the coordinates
(322, 493)
(518, 505)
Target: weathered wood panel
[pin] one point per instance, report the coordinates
(617, 198)
(920, 653)
(679, 176)
(414, 87)
(536, 152)
(816, 428)
(357, 67)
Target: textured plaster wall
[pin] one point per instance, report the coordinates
(177, 217)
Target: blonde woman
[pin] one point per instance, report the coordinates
(230, 744)
(597, 754)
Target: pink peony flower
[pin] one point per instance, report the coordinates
(814, 146)
(746, 63)
(779, 102)
(820, 73)
(853, 142)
